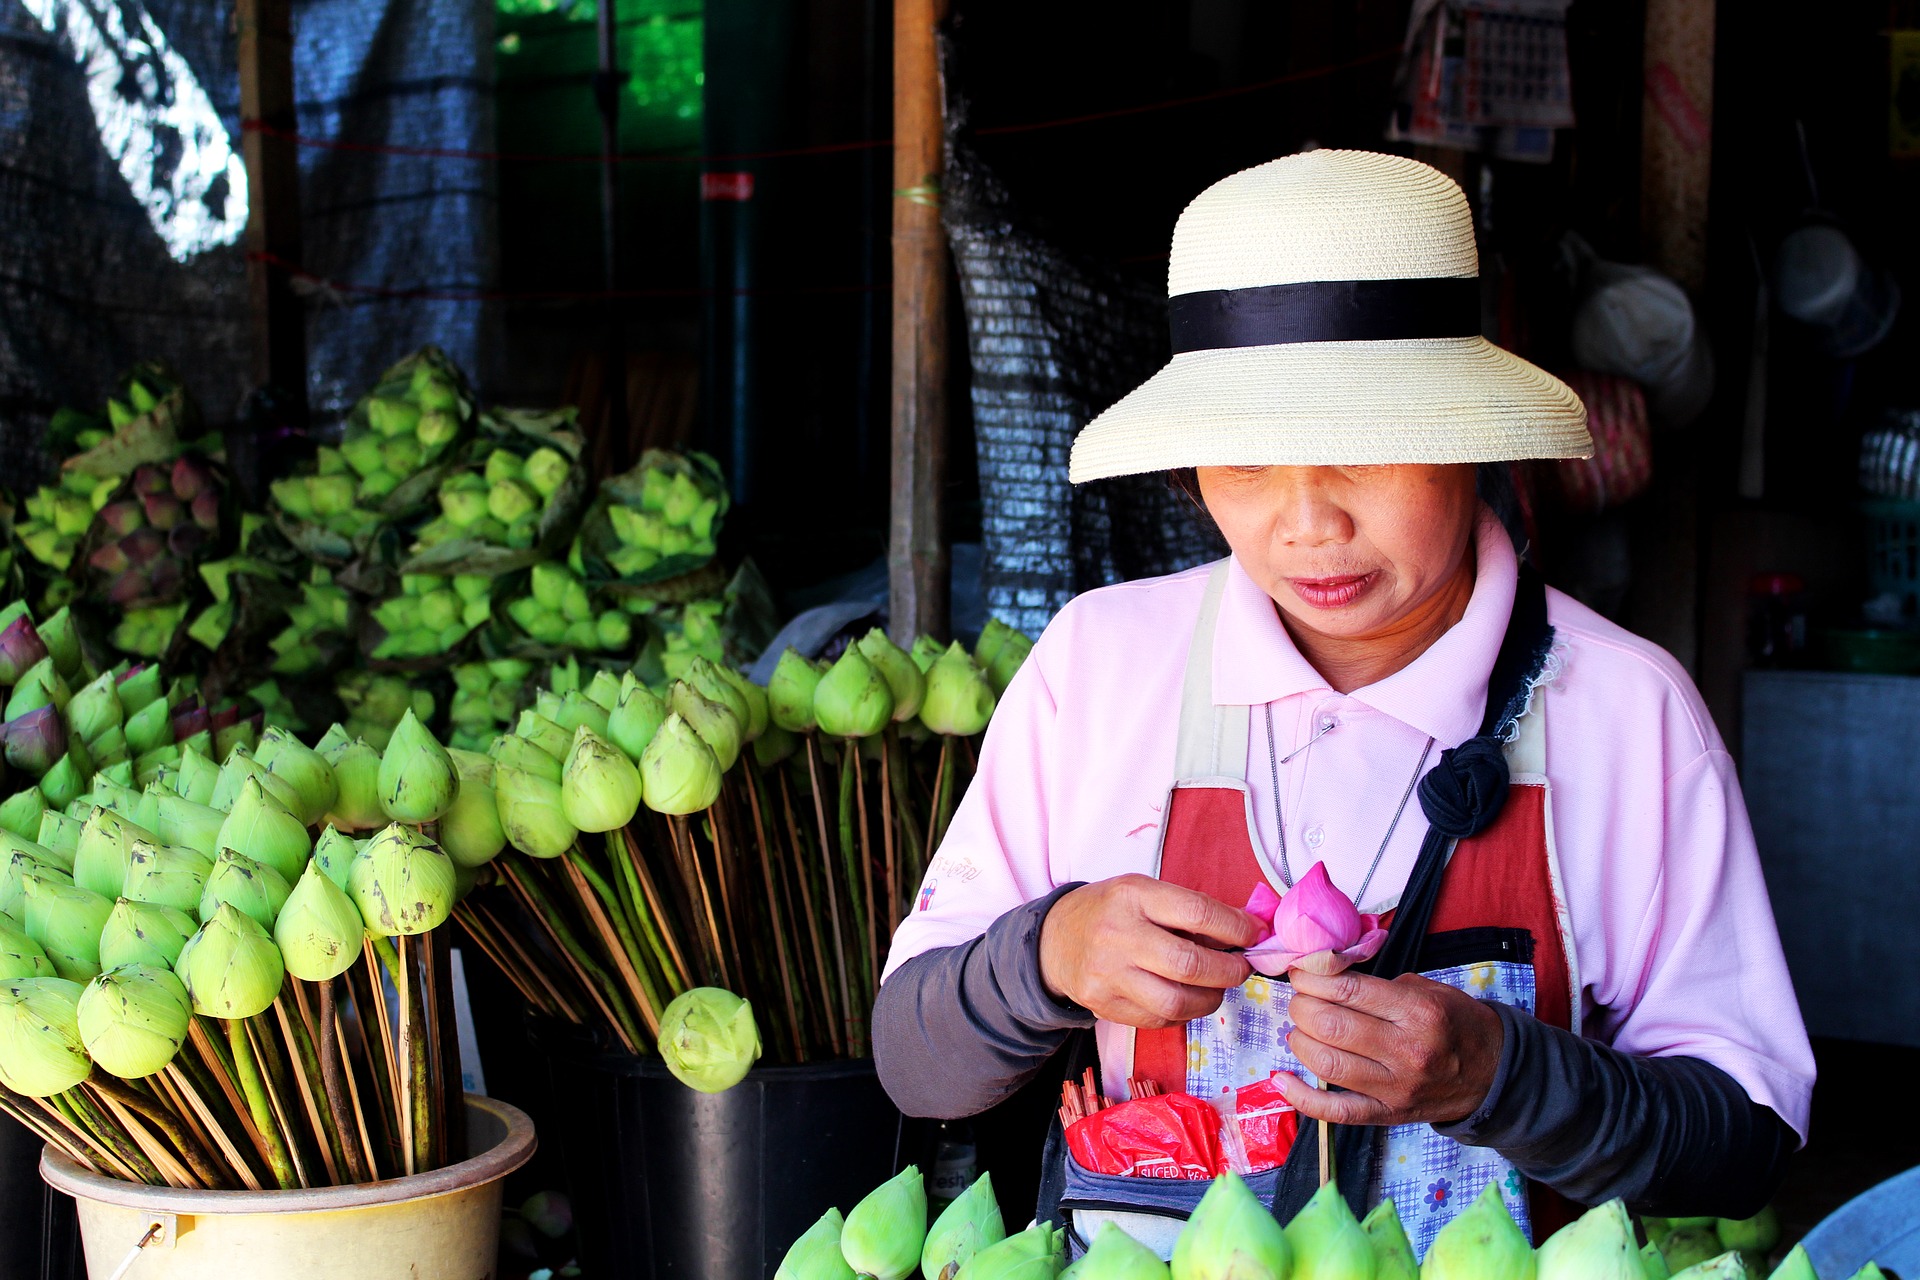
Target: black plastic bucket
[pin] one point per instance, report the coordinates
(669, 1182)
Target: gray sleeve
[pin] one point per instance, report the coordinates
(958, 1029)
(1668, 1135)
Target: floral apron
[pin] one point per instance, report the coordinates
(1496, 927)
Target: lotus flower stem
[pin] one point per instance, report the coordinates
(305, 1066)
(779, 926)
(189, 1120)
(644, 903)
(360, 1111)
(844, 1031)
(333, 1080)
(718, 828)
(84, 1112)
(253, 1087)
(416, 1051)
(592, 977)
(449, 1139)
(128, 1123)
(62, 1111)
(48, 1133)
(199, 1162)
(500, 944)
(911, 867)
(791, 863)
(804, 879)
(213, 1059)
(593, 892)
(940, 775)
(370, 1009)
(183, 1088)
(890, 737)
(688, 858)
(1326, 1148)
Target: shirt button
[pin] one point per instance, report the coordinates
(1316, 836)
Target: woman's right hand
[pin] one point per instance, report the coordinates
(1144, 953)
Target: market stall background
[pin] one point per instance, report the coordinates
(451, 190)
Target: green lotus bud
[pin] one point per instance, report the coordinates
(853, 700)
(759, 711)
(417, 779)
(1653, 1263)
(470, 831)
(62, 638)
(544, 734)
(334, 853)
(1482, 1242)
(925, 652)
(959, 700)
(179, 821)
(1689, 1246)
(64, 783)
(1869, 1272)
(577, 709)
(234, 773)
(679, 772)
(319, 929)
(599, 787)
(1392, 1252)
(66, 921)
(1115, 1255)
(790, 692)
(709, 1040)
(41, 1052)
(1726, 1266)
(356, 771)
(1325, 1242)
(133, 1019)
(514, 752)
(547, 702)
(905, 681)
(1232, 1236)
(262, 829)
(547, 470)
(604, 691)
(305, 770)
(816, 1254)
(1795, 1266)
(144, 933)
(636, 717)
(1598, 1246)
(40, 686)
(15, 866)
(1758, 1234)
(59, 837)
(713, 685)
(108, 794)
(95, 709)
(253, 888)
(1034, 1254)
(197, 778)
(149, 727)
(230, 967)
(21, 956)
(773, 746)
(885, 1232)
(21, 812)
(1007, 660)
(100, 862)
(965, 1227)
(718, 727)
(402, 883)
(531, 813)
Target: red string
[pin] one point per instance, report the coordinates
(542, 295)
(829, 148)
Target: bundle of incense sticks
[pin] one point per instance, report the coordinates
(1082, 1098)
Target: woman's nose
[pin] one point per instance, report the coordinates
(1306, 513)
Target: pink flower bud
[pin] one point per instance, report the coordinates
(206, 509)
(35, 740)
(1313, 917)
(190, 476)
(20, 648)
(123, 517)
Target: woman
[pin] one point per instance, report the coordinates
(1582, 994)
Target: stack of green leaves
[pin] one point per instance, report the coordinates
(431, 615)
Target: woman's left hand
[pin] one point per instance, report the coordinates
(1407, 1051)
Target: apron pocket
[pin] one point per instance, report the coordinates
(1151, 1210)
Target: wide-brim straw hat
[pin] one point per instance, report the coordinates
(1326, 311)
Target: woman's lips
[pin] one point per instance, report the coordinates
(1332, 593)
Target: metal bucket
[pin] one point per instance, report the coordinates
(443, 1225)
(1880, 1225)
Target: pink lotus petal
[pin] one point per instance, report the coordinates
(1263, 903)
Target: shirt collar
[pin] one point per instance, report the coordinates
(1442, 693)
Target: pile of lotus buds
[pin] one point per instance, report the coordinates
(558, 611)
(375, 702)
(498, 501)
(432, 614)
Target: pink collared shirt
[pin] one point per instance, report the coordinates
(1673, 936)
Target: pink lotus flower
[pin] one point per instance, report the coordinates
(1314, 927)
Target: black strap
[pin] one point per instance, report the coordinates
(1325, 311)
(1461, 797)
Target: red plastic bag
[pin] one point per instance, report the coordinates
(1175, 1135)
(1260, 1127)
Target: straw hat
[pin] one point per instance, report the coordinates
(1326, 311)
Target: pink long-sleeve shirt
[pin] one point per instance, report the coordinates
(1674, 939)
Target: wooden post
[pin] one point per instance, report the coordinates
(273, 197)
(917, 546)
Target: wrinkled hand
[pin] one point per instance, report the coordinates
(1407, 1051)
(1141, 952)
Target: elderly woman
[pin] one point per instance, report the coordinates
(1581, 994)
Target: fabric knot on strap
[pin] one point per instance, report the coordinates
(1462, 795)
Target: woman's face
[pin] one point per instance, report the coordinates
(1348, 553)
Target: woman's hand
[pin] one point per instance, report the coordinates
(1407, 1051)
(1144, 953)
